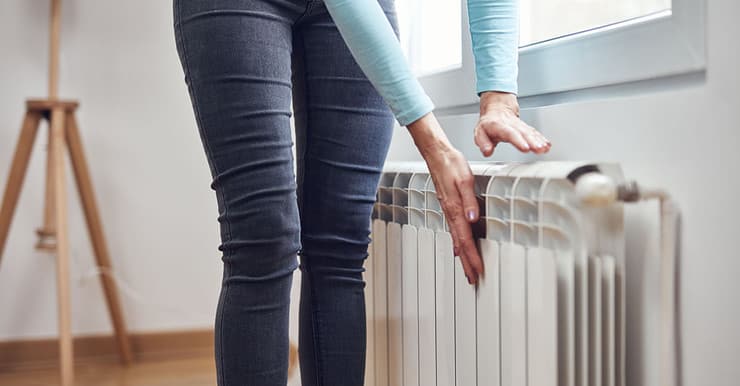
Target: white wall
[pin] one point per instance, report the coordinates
(147, 164)
(152, 180)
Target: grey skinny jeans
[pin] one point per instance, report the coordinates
(243, 61)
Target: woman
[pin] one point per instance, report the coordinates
(341, 64)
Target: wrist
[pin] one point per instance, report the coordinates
(428, 135)
(490, 100)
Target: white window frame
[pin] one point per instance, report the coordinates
(664, 44)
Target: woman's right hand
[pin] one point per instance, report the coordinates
(454, 185)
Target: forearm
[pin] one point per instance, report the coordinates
(428, 135)
(494, 30)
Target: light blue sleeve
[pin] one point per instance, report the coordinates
(372, 42)
(494, 31)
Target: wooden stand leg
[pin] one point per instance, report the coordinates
(60, 206)
(46, 233)
(17, 173)
(95, 227)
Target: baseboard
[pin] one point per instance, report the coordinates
(146, 346)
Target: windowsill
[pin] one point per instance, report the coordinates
(622, 90)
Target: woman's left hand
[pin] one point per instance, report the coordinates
(499, 122)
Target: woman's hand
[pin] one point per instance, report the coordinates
(499, 122)
(453, 182)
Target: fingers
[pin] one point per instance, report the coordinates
(516, 138)
(537, 142)
(485, 144)
(470, 253)
(469, 256)
(510, 129)
(453, 234)
(463, 241)
(455, 186)
(466, 190)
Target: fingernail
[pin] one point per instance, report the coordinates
(471, 215)
(469, 281)
(454, 251)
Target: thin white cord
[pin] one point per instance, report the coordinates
(137, 296)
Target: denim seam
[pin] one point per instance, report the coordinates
(316, 334)
(215, 169)
(309, 4)
(315, 319)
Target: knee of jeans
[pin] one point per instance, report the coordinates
(260, 241)
(328, 269)
(335, 237)
(334, 255)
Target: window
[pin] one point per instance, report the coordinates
(542, 20)
(565, 45)
(431, 34)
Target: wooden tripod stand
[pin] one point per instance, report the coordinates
(63, 134)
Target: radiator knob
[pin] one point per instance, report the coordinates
(596, 189)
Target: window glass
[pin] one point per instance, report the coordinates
(543, 20)
(431, 34)
(431, 30)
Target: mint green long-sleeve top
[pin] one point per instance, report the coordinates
(494, 29)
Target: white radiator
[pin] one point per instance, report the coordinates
(550, 310)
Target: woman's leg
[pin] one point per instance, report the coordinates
(343, 131)
(236, 59)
